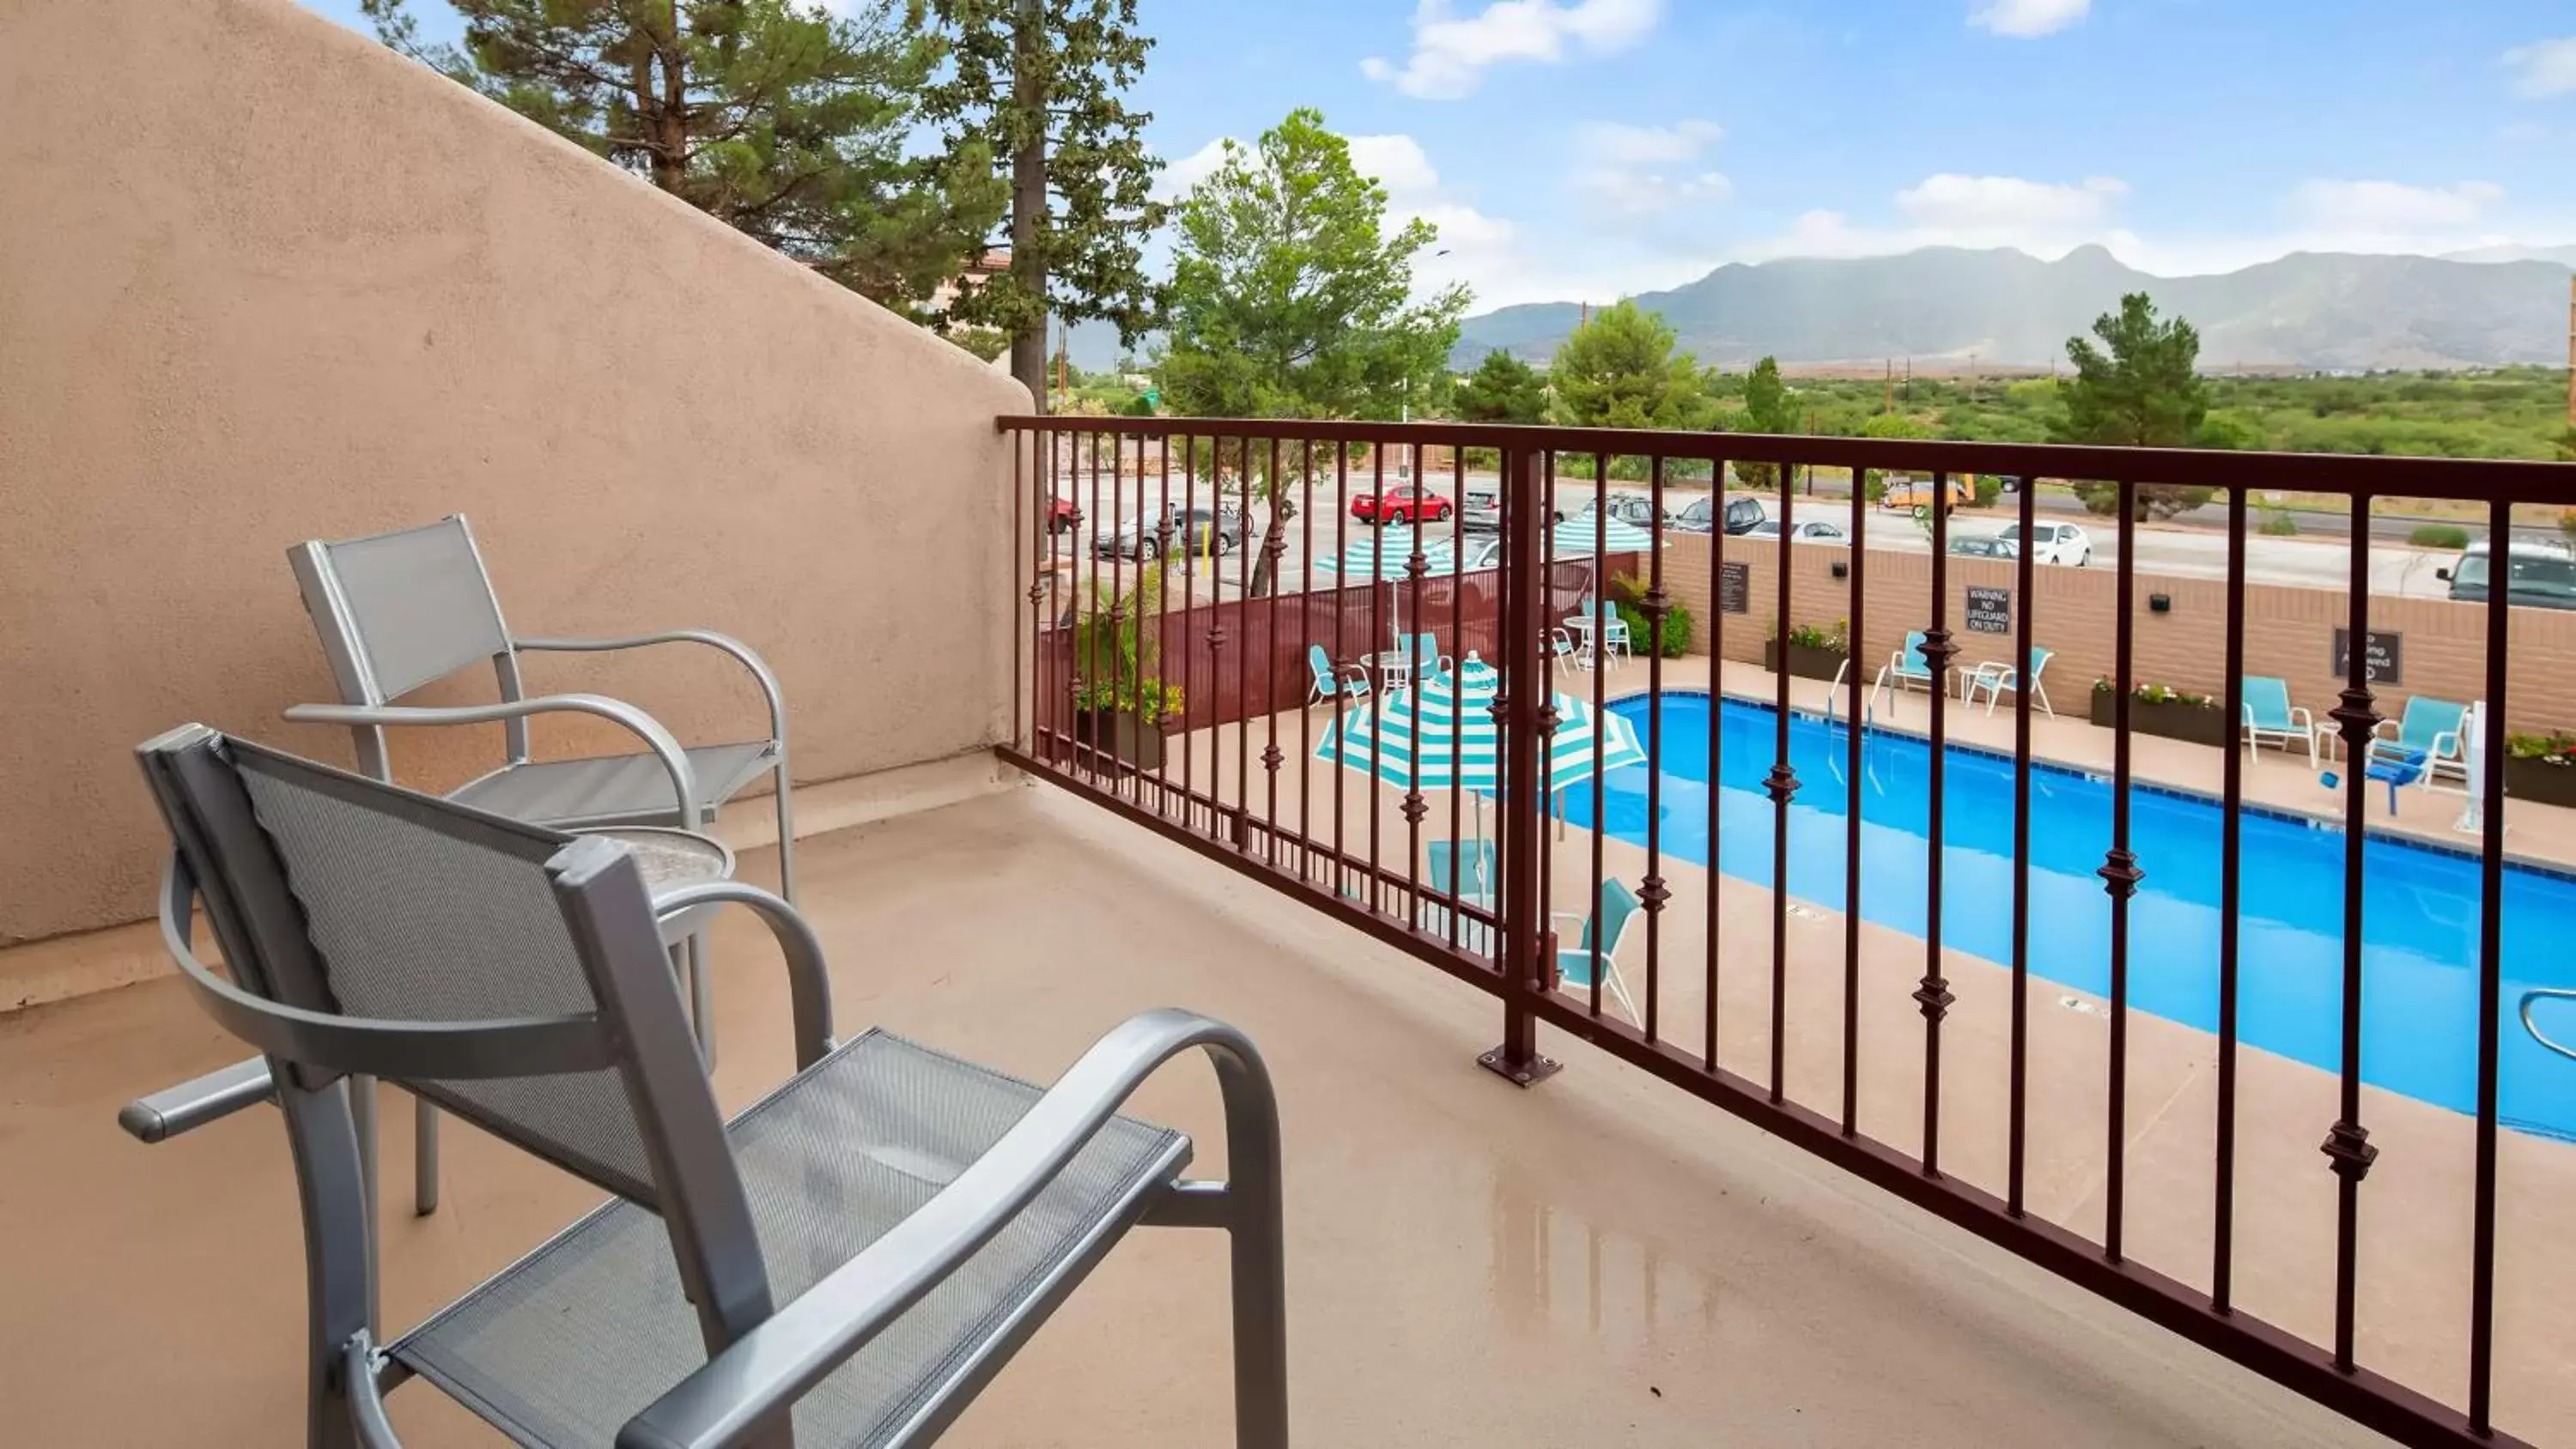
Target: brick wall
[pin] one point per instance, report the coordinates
(2289, 632)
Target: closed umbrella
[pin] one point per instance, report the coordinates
(1443, 736)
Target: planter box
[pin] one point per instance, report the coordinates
(2201, 724)
(1119, 735)
(2540, 781)
(1805, 662)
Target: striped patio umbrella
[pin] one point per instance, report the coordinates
(1443, 735)
(1592, 533)
(1384, 555)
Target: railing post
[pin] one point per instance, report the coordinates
(1521, 815)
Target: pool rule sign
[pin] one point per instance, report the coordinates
(1734, 588)
(2386, 660)
(1989, 611)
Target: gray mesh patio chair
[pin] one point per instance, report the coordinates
(401, 610)
(398, 611)
(845, 1263)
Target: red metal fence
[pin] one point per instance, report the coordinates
(1508, 616)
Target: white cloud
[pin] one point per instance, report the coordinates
(2380, 208)
(2028, 18)
(2008, 204)
(1450, 52)
(1636, 170)
(2544, 67)
(1179, 176)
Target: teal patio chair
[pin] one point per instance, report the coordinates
(1908, 668)
(1348, 682)
(2431, 727)
(1609, 926)
(1993, 679)
(1464, 868)
(1427, 658)
(2269, 715)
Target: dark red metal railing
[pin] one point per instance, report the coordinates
(1236, 657)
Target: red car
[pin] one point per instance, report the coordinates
(1062, 515)
(1405, 505)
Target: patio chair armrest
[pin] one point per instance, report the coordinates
(2303, 717)
(2446, 746)
(723, 643)
(1577, 918)
(750, 1387)
(666, 747)
(190, 1105)
(809, 982)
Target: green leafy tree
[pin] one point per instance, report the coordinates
(2141, 388)
(1503, 389)
(781, 120)
(1289, 300)
(1041, 84)
(1619, 370)
(1766, 410)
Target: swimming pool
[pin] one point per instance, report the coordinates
(2419, 923)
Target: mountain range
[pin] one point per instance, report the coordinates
(2309, 311)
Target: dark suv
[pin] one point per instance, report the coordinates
(1203, 530)
(1743, 515)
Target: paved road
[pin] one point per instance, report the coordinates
(2177, 550)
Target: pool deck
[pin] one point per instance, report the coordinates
(2415, 1217)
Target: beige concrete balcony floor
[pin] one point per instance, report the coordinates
(1600, 1261)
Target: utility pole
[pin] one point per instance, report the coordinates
(1029, 193)
(1888, 403)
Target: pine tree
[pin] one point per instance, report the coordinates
(777, 118)
(2140, 389)
(1036, 85)
(1503, 389)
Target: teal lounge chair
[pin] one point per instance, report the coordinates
(2269, 715)
(2430, 727)
(1348, 682)
(1427, 658)
(1609, 926)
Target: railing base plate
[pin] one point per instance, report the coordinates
(1528, 1074)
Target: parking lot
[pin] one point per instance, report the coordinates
(2173, 550)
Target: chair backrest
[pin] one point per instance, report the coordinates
(1322, 663)
(2267, 702)
(511, 974)
(1911, 658)
(399, 610)
(1426, 648)
(2427, 717)
(1610, 919)
(2039, 657)
(1463, 868)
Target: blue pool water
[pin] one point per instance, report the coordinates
(2420, 914)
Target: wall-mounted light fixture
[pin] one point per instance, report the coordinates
(1841, 570)
(2159, 603)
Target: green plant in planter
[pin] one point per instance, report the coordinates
(2158, 694)
(2278, 523)
(1628, 596)
(1836, 640)
(1151, 701)
(1117, 649)
(2555, 749)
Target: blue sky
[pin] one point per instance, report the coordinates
(1589, 148)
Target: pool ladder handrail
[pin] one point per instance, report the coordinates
(2542, 1037)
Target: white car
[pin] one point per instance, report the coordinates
(1804, 531)
(2053, 543)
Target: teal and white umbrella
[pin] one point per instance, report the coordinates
(1591, 534)
(1443, 736)
(1385, 555)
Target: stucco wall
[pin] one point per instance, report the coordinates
(2289, 632)
(263, 281)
